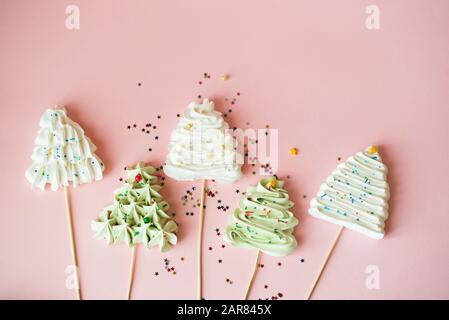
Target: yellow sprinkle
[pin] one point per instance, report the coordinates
(372, 150)
(271, 184)
(225, 77)
(189, 126)
(293, 151)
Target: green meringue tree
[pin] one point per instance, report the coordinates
(263, 221)
(137, 215)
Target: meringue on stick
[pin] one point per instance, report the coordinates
(202, 148)
(137, 215)
(263, 221)
(63, 154)
(354, 196)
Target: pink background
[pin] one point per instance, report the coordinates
(309, 68)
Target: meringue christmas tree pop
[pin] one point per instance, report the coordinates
(263, 221)
(137, 215)
(354, 196)
(201, 148)
(63, 154)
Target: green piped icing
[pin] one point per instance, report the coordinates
(138, 214)
(263, 219)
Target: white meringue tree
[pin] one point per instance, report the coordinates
(63, 154)
(202, 148)
(355, 196)
(137, 215)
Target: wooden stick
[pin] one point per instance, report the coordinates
(200, 242)
(131, 272)
(72, 241)
(250, 284)
(309, 295)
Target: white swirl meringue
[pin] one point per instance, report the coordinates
(202, 147)
(62, 153)
(356, 195)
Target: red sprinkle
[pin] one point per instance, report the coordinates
(138, 178)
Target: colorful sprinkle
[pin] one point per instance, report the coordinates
(372, 150)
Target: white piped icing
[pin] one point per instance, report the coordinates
(356, 195)
(201, 146)
(62, 153)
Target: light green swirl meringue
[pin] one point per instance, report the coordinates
(138, 214)
(263, 220)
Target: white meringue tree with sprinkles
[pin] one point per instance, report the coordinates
(202, 148)
(354, 196)
(63, 154)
